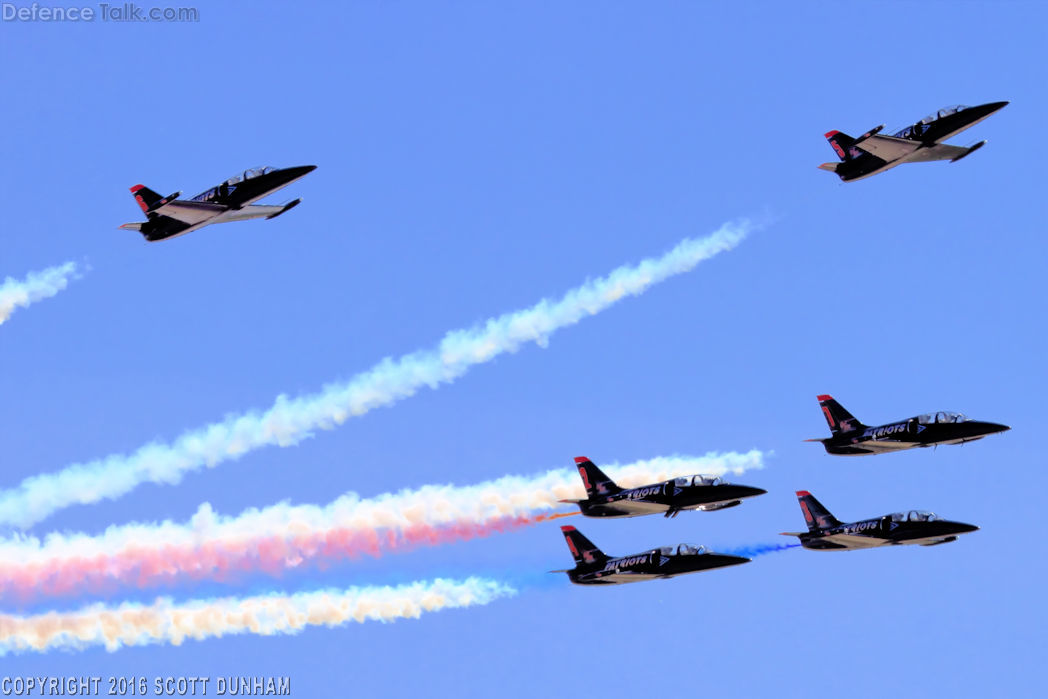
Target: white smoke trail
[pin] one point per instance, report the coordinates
(284, 536)
(35, 287)
(167, 622)
(290, 420)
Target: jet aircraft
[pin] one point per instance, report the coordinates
(872, 153)
(233, 200)
(852, 438)
(605, 499)
(827, 533)
(594, 567)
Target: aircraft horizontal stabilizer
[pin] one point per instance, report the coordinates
(872, 132)
(969, 151)
(289, 205)
(166, 200)
(832, 167)
(791, 533)
(568, 570)
(571, 502)
(132, 226)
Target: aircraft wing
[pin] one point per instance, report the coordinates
(191, 212)
(259, 211)
(888, 148)
(940, 151)
(253, 211)
(636, 507)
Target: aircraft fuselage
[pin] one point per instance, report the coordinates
(649, 566)
(927, 137)
(907, 434)
(883, 531)
(667, 498)
(229, 201)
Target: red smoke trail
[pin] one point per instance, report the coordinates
(226, 560)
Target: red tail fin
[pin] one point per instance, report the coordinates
(146, 197)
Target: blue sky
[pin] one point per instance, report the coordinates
(476, 157)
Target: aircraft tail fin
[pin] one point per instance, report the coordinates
(150, 201)
(147, 199)
(597, 484)
(842, 144)
(584, 551)
(815, 515)
(839, 419)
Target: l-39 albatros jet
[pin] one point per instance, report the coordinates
(827, 533)
(852, 438)
(233, 200)
(921, 143)
(605, 499)
(594, 567)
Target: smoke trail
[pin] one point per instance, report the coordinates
(290, 420)
(758, 549)
(167, 622)
(282, 537)
(35, 287)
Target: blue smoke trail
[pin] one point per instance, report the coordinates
(755, 550)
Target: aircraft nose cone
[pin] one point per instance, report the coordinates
(985, 110)
(739, 492)
(984, 428)
(966, 528)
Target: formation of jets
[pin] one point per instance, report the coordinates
(860, 157)
(825, 532)
(869, 154)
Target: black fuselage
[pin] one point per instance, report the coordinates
(883, 531)
(649, 566)
(866, 164)
(907, 434)
(667, 498)
(229, 197)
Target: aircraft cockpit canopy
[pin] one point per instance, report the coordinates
(944, 112)
(943, 417)
(250, 173)
(229, 186)
(915, 516)
(683, 550)
(706, 480)
(921, 126)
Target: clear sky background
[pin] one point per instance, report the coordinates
(475, 157)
